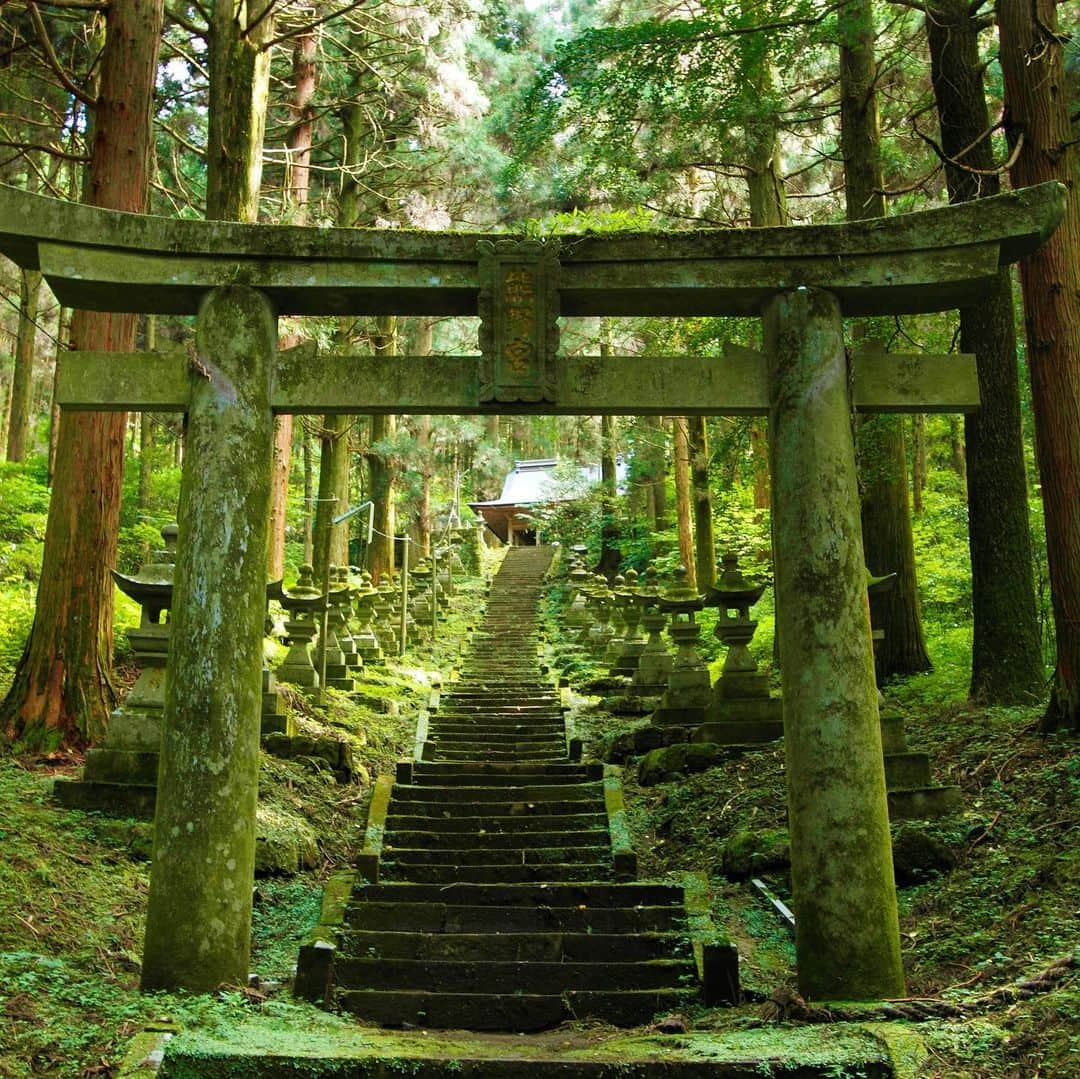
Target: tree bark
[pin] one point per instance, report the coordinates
(918, 461)
(382, 468)
(681, 456)
(609, 484)
(333, 496)
(297, 188)
(62, 692)
(1037, 109)
(146, 426)
(239, 90)
(424, 519)
(656, 464)
(22, 379)
(704, 538)
(1006, 663)
(63, 328)
(309, 497)
(886, 514)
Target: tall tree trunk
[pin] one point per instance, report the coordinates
(609, 483)
(918, 461)
(684, 527)
(297, 188)
(759, 458)
(333, 497)
(657, 474)
(309, 497)
(22, 380)
(424, 334)
(382, 467)
(240, 31)
(886, 514)
(704, 538)
(62, 691)
(957, 456)
(63, 328)
(146, 426)
(1006, 663)
(1037, 110)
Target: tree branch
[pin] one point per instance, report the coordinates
(50, 56)
(307, 27)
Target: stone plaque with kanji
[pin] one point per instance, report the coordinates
(519, 329)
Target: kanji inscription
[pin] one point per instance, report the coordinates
(519, 332)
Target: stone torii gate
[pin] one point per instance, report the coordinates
(801, 281)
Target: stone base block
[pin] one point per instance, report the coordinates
(736, 685)
(305, 678)
(920, 803)
(106, 765)
(893, 734)
(678, 716)
(336, 754)
(278, 724)
(114, 799)
(134, 731)
(907, 771)
(635, 743)
(629, 705)
(739, 732)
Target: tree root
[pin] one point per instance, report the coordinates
(786, 1005)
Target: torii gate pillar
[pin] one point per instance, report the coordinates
(198, 924)
(847, 930)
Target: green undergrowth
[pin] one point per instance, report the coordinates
(997, 902)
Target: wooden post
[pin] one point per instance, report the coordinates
(847, 933)
(198, 927)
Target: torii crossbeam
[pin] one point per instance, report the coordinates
(800, 281)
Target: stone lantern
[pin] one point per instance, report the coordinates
(303, 604)
(120, 776)
(367, 643)
(655, 662)
(632, 643)
(688, 691)
(741, 710)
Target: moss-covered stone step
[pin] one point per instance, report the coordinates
(435, 917)
(541, 817)
(500, 856)
(535, 697)
(558, 895)
(539, 792)
(494, 772)
(515, 947)
(488, 839)
(464, 755)
(495, 874)
(497, 976)
(509, 1011)
(476, 779)
(496, 734)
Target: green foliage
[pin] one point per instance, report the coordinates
(24, 507)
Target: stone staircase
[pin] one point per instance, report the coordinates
(495, 897)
